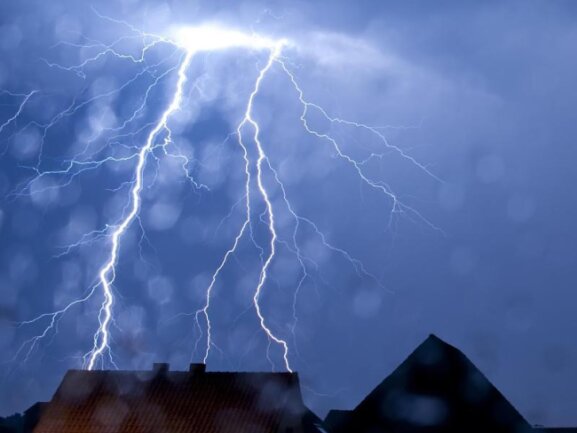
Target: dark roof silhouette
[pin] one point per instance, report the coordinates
(436, 389)
(22, 423)
(161, 401)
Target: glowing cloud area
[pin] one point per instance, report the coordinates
(209, 37)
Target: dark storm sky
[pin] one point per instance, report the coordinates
(487, 92)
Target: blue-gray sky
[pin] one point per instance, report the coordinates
(482, 94)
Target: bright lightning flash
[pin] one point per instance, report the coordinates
(214, 38)
(186, 42)
(108, 272)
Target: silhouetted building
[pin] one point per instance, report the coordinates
(436, 389)
(163, 401)
(22, 423)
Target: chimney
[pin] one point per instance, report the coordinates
(160, 368)
(197, 368)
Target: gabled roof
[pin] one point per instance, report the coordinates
(435, 389)
(335, 418)
(176, 402)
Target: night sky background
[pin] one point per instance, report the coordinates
(481, 93)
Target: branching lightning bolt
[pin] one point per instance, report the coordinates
(108, 273)
(114, 233)
(397, 205)
(187, 43)
(249, 120)
(19, 110)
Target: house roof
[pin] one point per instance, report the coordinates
(176, 402)
(335, 418)
(437, 388)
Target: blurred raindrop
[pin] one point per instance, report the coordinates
(490, 168)
(451, 197)
(131, 319)
(25, 223)
(462, 261)
(23, 267)
(44, 192)
(10, 37)
(26, 144)
(67, 28)
(160, 289)
(367, 303)
(520, 208)
(163, 216)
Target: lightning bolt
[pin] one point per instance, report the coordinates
(248, 120)
(18, 112)
(186, 43)
(76, 166)
(108, 272)
(398, 207)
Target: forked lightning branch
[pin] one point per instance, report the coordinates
(260, 177)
